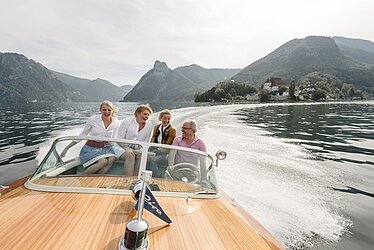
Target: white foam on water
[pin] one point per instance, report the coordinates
(280, 184)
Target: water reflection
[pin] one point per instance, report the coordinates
(339, 132)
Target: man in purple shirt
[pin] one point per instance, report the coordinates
(188, 140)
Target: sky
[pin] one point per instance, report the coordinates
(119, 40)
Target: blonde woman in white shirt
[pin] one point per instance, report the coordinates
(134, 128)
(98, 157)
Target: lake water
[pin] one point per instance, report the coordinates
(305, 171)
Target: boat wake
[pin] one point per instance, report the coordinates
(281, 184)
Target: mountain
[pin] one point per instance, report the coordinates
(361, 51)
(126, 89)
(23, 80)
(180, 85)
(94, 90)
(298, 57)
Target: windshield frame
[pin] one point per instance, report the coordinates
(30, 183)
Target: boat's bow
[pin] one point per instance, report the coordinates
(61, 208)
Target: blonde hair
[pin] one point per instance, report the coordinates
(162, 113)
(143, 107)
(110, 105)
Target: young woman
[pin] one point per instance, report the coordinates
(98, 156)
(163, 133)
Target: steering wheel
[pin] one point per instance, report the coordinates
(185, 171)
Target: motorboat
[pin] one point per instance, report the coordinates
(178, 206)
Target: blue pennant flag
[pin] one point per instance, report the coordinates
(151, 204)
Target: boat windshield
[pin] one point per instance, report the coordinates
(176, 171)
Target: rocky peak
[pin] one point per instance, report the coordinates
(160, 67)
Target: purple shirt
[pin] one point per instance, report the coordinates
(187, 156)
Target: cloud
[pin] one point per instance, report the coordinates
(120, 40)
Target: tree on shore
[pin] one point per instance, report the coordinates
(264, 95)
(291, 90)
(225, 90)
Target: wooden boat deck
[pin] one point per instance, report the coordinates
(44, 220)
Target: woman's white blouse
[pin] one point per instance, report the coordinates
(129, 129)
(95, 127)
